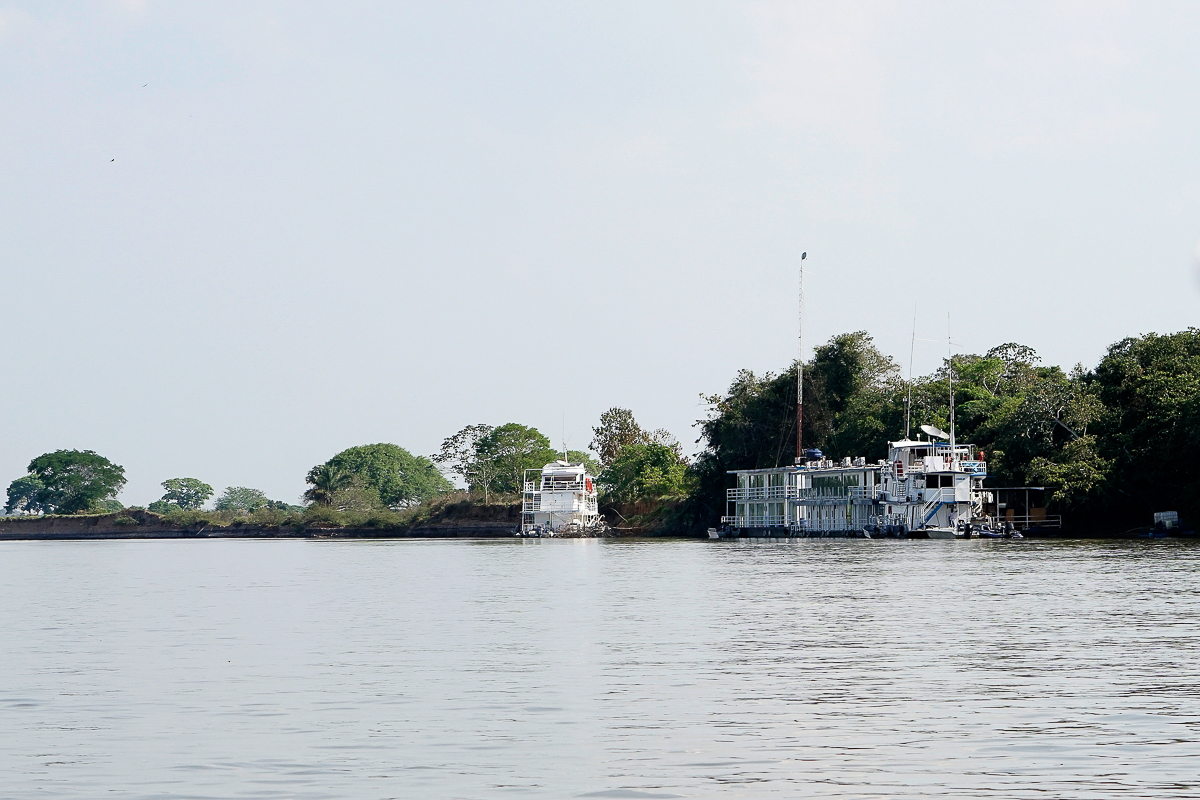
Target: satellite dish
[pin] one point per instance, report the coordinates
(934, 432)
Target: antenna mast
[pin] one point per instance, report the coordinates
(950, 370)
(800, 367)
(912, 348)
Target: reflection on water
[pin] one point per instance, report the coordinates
(296, 669)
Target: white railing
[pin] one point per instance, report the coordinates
(824, 492)
(760, 492)
(556, 486)
(864, 492)
(974, 467)
(757, 521)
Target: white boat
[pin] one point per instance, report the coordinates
(940, 533)
(560, 499)
(926, 488)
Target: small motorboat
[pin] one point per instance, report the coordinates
(937, 532)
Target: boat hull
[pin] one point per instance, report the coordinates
(940, 533)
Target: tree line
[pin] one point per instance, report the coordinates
(1112, 443)
(491, 460)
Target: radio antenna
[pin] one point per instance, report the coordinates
(950, 370)
(912, 348)
(800, 366)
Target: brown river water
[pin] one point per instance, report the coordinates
(599, 668)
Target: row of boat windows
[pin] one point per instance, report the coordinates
(760, 480)
(938, 481)
(760, 509)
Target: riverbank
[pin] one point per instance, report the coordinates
(456, 519)
(139, 524)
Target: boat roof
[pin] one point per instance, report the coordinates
(564, 467)
(905, 443)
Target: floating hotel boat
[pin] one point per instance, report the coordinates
(560, 499)
(930, 489)
(927, 489)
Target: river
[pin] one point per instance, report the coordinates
(599, 668)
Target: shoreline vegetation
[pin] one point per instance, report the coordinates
(1112, 444)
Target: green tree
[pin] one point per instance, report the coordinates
(325, 481)
(241, 498)
(1149, 430)
(651, 471)
(74, 480)
(585, 458)
(23, 496)
(460, 455)
(616, 431)
(186, 493)
(356, 497)
(400, 478)
(512, 449)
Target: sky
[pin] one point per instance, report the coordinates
(237, 238)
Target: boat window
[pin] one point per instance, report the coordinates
(827, 485)
(756, 481)
(775, 479)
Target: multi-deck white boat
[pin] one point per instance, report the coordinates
(924, 488)
(559, 499)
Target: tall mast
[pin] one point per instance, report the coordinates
(912, 349)
(800, 367)
(950, 368)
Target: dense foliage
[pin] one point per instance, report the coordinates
(636, 464)
(65, 482)
(397, 477)
(240, 498)
(512, 449)
(494, 459)
(1112, 443)
(650, 471)
(186, 493)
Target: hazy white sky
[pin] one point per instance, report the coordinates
(240, 237)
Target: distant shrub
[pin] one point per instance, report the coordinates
(322, 516)
(125, 519)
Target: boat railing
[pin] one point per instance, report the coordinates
(834, 492)
(864, 492)
(974, 467)
(760, 492)
(756, 521)
(556, 486)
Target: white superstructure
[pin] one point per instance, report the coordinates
(922, 487)
(559, 498)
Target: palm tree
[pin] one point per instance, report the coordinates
(326, 481)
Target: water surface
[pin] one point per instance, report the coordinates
(620, 669)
